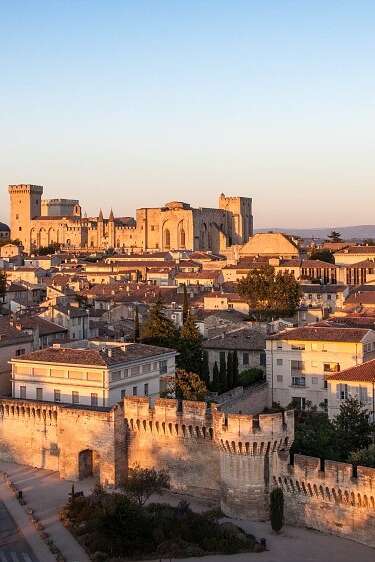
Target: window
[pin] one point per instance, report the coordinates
(123, 393)
(57, 395)
(297, 365)
(329, 297)
(145, 390)
(279, 345)
(245, 358)
(39, 393)
(135, 390)
(298, 381)
(342, 391)
(331, 367)
(115, 376)
(146, 368)
(299, 402)
(20, 352)
(279, 378)
(298, 346)
(23, 392)
(279, 362)
(75, 397)
(94, 399)
(126, 373)
(167, 239)
(363, 394)
(20, 228)
(135, 370)
(314, 380)
(163, 367)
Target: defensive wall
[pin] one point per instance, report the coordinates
(329, 496)
(234, 458)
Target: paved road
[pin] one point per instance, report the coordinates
(13, 547)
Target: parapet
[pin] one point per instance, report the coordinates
(25, 188)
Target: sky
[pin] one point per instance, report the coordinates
(127, 104)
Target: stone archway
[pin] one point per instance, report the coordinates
(85, 464)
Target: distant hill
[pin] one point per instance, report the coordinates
(347, 232)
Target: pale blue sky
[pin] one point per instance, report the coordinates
(136, 103)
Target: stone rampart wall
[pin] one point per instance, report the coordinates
(329, 500)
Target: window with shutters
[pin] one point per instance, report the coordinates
(342, 392)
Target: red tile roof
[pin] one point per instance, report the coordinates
(322, 333)
(360, 373)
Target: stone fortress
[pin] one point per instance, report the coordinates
(40, 222)
(235, 459)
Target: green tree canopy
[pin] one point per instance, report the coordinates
(270, 295)
(322, 255)
(190, 347)
(353, 427)
(158, 329)
(335, 236)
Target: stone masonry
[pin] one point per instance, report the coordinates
(233, 458)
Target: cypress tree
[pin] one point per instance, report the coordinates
(230, 370)
(236, 374)
(215, 378)
(158, 329)
(185, 307)
(136, 325)
(205, 368)
(223, 373)
(190, 347)
(277, 509)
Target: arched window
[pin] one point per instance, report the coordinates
(182, 238)
(167, 239)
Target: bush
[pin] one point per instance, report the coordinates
(117, 526)
(251, 376)
(277, 509)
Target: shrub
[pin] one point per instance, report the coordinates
(277, 509)
(251, 376)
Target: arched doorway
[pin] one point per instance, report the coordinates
(85, 464)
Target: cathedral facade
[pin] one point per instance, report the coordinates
(38, 222)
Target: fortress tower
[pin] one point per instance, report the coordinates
(240, 209)
(25, 205)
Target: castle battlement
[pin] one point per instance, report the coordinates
(25, 188)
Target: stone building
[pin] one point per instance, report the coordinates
(176, 225)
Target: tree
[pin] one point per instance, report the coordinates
(142, 483)
(3, 285)
(190, 347)
(363, 457)
(368, 242)
(277, 509)
(185, 307)
(50, 249)
(157, 328)
(205, 369)
(186, 386)
(353, 427)
(322, 255)
(235, 369)
(270, 295)
(314, 435)
(230, 371)
(215, 378)
(335, 236)
(222, 373)
(136, 324)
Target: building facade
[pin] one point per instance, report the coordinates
(176, 225)
(92, 373)
(299, 360)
